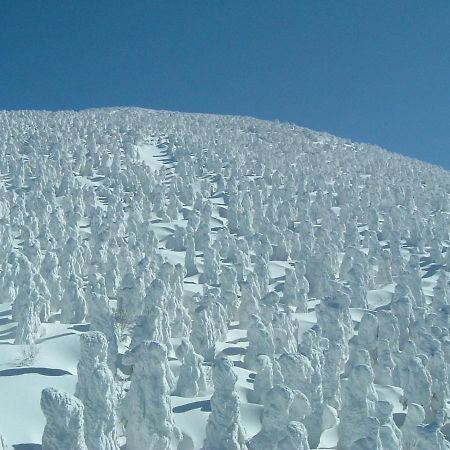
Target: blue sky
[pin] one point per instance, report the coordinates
(371, 70)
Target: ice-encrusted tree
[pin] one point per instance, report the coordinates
(260, 341)
(51, 275)
(331, 375)
(333, 317)
(223, 429)
(300, 409)
(413, 279)
(356, 407)
(97, 391)
(101, 317)
(146, 408)
(415, 416)
(384, 365)
(390, 434)
(368, 333)
(154, 323)
(275, 419)
(249, 304)
(7, 283)
(384, 275)
(64, 421)
(211, 266)
(191, 380)
(313, 421)
(447, 259)
(261, 270)
(357, 279)
(29, 323)
(292, 293)
(180, 320)
(388, 329)
(203, 336)
(208, 326)
(73, 303)
(302, 285)
(229, 291)
(296, 439)
(403, 311)
(202, 233)
(431, 436)
(372, 436)
(130, 295)
(263, 379)
(300, 374)
(417, 388)
(24, 284)
(177, 241)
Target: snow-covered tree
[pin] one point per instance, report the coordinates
(275, 419)
(191, 380)
(73, 303)
(260, 341)
(64, 421)
(97, 390)
(146, 408)
(390, 434)
(29, 323)
(356, 407)
(263, 379)
(101, 318)
(224, 430)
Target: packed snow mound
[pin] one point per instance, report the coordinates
(190, 281)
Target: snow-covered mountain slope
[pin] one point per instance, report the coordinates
(195, 281)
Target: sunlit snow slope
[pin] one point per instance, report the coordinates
(316, 265)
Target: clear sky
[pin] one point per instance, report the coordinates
(371, 70)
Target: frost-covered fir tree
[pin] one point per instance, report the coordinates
(29, 323)
(101, 318)
(209, 325)
(296, 439)
(203, 335)
(356, 407)
(275, 419)
(390, 434)
(191, 380)
(96, 389)
(146, 408)
(263, 379)
(331, 375)
(260, 338)
(130, 297)
(229, 291)
(224, 430)
(73, 303)
(249, 305)
(415, 416)
(295, 292)
(64, 421)
(153, 324)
